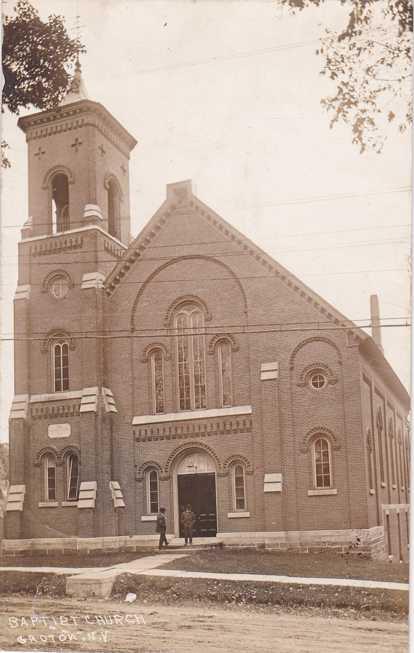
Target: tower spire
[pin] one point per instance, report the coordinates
(77, 90)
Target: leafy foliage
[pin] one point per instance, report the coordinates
(36, 56)
(370, 62)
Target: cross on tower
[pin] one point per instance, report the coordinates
(40, 152)
(76, 144)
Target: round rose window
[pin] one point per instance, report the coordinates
(59, 286)
(318, 380)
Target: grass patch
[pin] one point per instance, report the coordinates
(32, 583)
(71, 559)
(285, 563)
(374, 604)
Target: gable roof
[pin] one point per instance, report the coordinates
(180, 195)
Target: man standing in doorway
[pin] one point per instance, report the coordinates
(161, 527)
(187, 521)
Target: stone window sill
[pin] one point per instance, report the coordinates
(394, 487)
(236, 515)
(48, 504)
(149, 518)
(372, 491)
(383, 484)
(322, 492)
(70, 503)
(206, 413)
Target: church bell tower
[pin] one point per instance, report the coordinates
(78, 157)
(62, 416)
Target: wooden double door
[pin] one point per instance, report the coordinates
(199, 491)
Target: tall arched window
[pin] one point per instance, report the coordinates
(189, 323)
(322, 463)
(49, 477)
(156, 360)
(239, 487)
(60, 202)
(392, 450)
(370, 465)
(113, 195)
(60, 363)
(152, 491)
(72, 476)
(380, 427)
(225, 373)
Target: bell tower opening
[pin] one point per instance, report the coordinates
(60, 203)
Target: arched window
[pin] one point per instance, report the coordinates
(239, 487)
(60, 202)
(380, 426)
(113, 196)
(72, 476)
(189, 323)
(225, 373)
(392, 450)
(60, 364)
(370, 454)
(49, 477)
(152, 491)
(156, 360)
(322, 463)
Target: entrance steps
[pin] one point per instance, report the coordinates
(199, 544)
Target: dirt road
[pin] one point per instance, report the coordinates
(112, 626)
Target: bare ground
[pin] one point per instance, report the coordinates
(154, 628)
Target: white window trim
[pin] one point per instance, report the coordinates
(153, 386)
(322, 491)
(235, 509)
(220, 372)
(315, 486)
(147, 486)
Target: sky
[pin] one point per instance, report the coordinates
(227, 93)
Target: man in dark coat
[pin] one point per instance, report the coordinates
(161, 527)
(187, 521)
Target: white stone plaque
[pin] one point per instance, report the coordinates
(58, 430)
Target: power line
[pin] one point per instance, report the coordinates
(237, 55)
(311, 200)
(369, 243)
(243, 330)
(253, 276)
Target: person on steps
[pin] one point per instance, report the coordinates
(161, 527)
(187, 521)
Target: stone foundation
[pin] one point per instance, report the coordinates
(367, 542)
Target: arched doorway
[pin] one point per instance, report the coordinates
(195, 480)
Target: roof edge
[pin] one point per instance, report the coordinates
(374, 356)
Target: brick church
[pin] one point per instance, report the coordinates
(184, 366)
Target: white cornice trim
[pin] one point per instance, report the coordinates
(75, 231)
(192, 414)
(56, 396)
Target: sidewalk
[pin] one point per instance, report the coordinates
(267, 578)
(98, 581)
